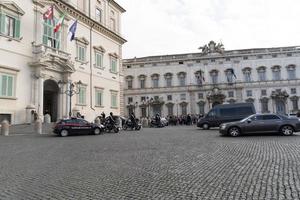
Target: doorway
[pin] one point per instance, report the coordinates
(51, 90)
(280, 107)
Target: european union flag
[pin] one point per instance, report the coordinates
(72, 30)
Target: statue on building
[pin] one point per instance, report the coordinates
(212, 47)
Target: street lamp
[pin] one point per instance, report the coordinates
(74, 88)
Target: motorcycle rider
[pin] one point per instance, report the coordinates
(111, 119)
(133, 120)
(157, 119)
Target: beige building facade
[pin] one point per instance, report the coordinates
(39, 67)
(193, 83)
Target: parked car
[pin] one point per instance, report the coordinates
(262, 123)
(71, 126)
(226, 113)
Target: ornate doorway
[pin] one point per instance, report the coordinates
(280, 107)
(51, 91)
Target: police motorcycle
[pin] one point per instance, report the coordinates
(156, 122)
(129, 124)
(111, 125)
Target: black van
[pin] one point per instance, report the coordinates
(226, 113)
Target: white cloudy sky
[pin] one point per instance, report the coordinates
(158, 27)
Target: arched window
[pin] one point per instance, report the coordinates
(129, 81)
(247, 74)
(142, 80)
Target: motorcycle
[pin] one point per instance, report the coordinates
(129, 124)
(108, 127)
(154, 123)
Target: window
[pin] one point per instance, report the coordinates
(99, 60)
(114, 100)
(99, 15)
(169, 81)
(230, 94)
(295, 104)
(142, 82)
(9, 26)
(200, 95)
(155, 80)
(291, 70)
(201, 108)
(170, 109)
(182, 97)
(293, 91)
(129, 84)
(113, 24)
(81, 53)
(143, 99)
(6, 85)
(249, 93)
(214, 77)
(130, 100)
(276, 73)
(270, 117)
(113, 65)
(82, 96)
(99, 97)
(263, 92)
(247, 75)
(229, 76)
(50, 38)
(143, 111)
(181, 78)
(261, 74)
(264, 105)
(169, 97)
(184, 109)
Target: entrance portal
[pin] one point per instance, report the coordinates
(51, 99)
(280, 107)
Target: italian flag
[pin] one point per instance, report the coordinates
(59, 23)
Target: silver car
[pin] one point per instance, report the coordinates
(262, 123)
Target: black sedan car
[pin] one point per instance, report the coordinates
(262, 123)
(74, 126)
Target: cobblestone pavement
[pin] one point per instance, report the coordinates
(169, 163)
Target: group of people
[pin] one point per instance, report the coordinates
(183, 120)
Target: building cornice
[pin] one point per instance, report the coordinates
(200, 56)
(116, 5)
(72, 11)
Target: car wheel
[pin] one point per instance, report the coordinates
(287, 130)
(234, 131)
(205, 126)
(125, 127)
(64, 133)
(97, 131)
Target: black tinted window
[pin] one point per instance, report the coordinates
(245, 111)
(270, 117)
(236, 111)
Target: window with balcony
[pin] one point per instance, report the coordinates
(276, 73)
(50, 38)
(229, 75)
(291, 70)
(7, 85)
(261, 71)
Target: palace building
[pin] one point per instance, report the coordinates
(43, 71)
(182, 84)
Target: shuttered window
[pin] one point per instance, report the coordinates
(81, 53)
(113, 65)
(114, 100)
(6, 85)
(50, 38)
(99, 60)
(99, 97)
(82, 96)
(10, 25)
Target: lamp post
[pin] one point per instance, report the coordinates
(135, 105)
(149, 101)
(74, 88)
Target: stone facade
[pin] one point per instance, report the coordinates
(194, 83)
(38, 67)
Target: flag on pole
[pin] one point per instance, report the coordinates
(48, 14)
(59, 23)
(232, 72)
(72, 30)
